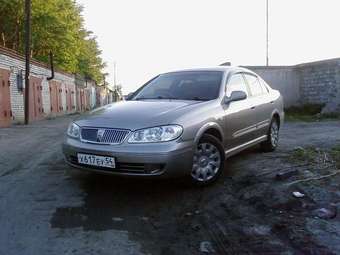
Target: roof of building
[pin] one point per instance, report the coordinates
(14, 54)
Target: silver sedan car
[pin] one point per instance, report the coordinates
(183, 123)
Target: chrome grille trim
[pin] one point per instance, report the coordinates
(111, 136)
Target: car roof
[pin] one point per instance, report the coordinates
(225, 69)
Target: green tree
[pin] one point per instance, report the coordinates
(11, 23)
(90, 63)
(57, 26)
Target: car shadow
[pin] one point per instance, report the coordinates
(114, 197)
(148, 209)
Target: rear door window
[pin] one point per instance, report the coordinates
(254, 85)
(264, 86)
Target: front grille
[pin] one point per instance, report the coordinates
(103, 135)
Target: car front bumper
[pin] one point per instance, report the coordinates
(168, 159)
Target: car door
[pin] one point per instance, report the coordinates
(237, 122)
(261, 104)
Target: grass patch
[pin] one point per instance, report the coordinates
(316, 156)
(308, 113)
(335, 154)
(308, 154)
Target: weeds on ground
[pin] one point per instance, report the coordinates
(309, 113)
(335, 154)
(316, 156)
(301, 154)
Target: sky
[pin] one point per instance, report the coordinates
(148, 37)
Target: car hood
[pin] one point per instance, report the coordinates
(137, 114)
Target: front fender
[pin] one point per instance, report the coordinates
(205, 127)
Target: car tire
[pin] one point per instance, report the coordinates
(272, 137)
(208, 161)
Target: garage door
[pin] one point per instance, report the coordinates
(5, 99)
(80, 99)
(55, 96)
(36, 106)
(69, 95)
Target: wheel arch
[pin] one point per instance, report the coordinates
(210, 128)
(276, 115)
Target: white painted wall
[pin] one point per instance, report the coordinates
(17, 99)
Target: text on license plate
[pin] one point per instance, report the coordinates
(94, 160)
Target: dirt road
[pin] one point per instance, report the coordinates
(47, 209)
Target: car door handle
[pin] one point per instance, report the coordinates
(253, 107)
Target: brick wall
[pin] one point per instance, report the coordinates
(46, 97)
(320, 81)
(16, 65)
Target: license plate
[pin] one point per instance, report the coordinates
(94, 160)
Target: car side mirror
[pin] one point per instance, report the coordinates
(129, 96)
(235, 96)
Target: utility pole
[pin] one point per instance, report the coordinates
(267, 32)
(115, 80)
(27, 56)
(114, 74)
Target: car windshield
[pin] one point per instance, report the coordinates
(186, 85)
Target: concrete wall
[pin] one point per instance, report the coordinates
(309, 83)
(283, 78)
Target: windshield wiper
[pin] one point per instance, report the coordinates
(173, 98)
(159, 97)
(144, 98)
(170, 98)
(198, 99)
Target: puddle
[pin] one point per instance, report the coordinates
(150, 211)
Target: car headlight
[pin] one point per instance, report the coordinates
(156, 134)
(73, 130)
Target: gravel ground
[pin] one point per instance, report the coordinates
(46, 208)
